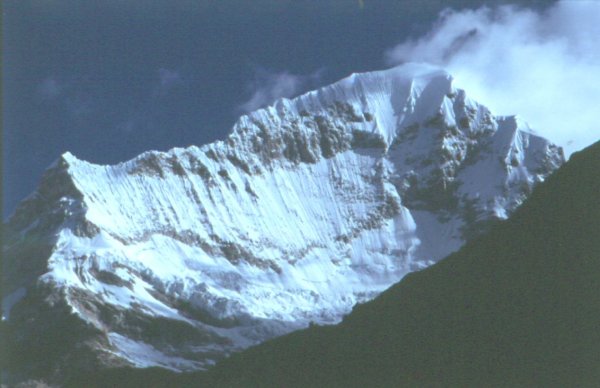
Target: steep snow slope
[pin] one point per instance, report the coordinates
(308, 207)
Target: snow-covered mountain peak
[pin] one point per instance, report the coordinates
(308, 207)
(384, 100)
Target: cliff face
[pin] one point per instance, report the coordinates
(308, 207)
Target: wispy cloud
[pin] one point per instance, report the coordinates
(167, 80)
(127, 126)
(542, 65)
(267, 86)
(78, 105)
(49, 88)
(67, 93)
(159, 87)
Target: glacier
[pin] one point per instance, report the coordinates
(309, 206)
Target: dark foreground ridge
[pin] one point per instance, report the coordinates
(519, 306)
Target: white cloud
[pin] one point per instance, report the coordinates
(268, 87)
(544, 66)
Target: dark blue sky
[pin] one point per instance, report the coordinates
(108, 80)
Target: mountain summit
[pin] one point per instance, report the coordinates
(308, 207)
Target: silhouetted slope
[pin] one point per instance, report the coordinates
(520, 305)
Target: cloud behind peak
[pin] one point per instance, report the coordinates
(268, 86)
(543, 65)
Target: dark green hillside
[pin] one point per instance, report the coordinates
(520, 306)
